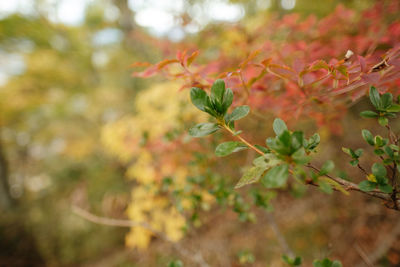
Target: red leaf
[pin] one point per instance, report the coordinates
(191, 58)
(250, 58)
(371, 77)
(363, 64)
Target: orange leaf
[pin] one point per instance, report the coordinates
(192, 57)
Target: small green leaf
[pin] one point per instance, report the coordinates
(325, 187)
(368, 137)
(228, 148)
(358, 152)
(285, 138)
(369, 114)
(203, 129)
(300, 156)
(268, 160)
(379, 152)
(227, 99)
(378, 170)
(327, 167)
(386, 100)
(239, 112)
(263, 149)
(326, 263)
(218, 91)
(347, 151)
(385, 188)
(383, 121)
(313, 142)
(297, 140)
(378, 141)
(175, 263)
(198, 97)
(292, 261)
(276, 177)
(389, 151)
(394, 108)
(336, 264)
(251, 175)
(367, 186)
(354, 162)
(375, 98)
(279, 126)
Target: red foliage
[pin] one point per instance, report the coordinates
(301, 67)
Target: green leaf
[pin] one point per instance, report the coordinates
(228, 148)
(313, 142)
(251, 175)
(354, 162)
(263, 149)
(334, 184)
(367, 186)
(325, 187)
(300, 156)
(386, 100)
(389, 151)
(218, 91)
(336, 264)
(383, 121)
(297, 140)
(379, 152)
(385, 188)
(227, 99)
(378, 141)
(358, 152)
(268, 160)
(378, 170)
(394, 108)
(326, 263)
(375, 98)
(327, 167)
(198, 97)
(368, 137)
(239, 112)
(276, 177)
(175, 263)
(369, 114)
(347, 151)
(279, 126)
(285, 138)
(292, 261)
(203, 129)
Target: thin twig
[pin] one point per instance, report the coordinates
(244, 141)
(383, 244)
(349, 186)
(363, 255)
(195, 257)
(281, 238)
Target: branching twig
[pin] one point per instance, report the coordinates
(195, 257)
(349, 186)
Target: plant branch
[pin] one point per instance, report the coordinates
(192, 256)
(349, 186)
(243, 140)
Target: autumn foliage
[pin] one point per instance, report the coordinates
(299, 67)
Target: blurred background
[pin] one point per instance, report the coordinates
(73, 130)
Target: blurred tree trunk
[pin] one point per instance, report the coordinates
(6, 200)
(126, 19)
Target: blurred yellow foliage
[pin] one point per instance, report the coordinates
(135, 140)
